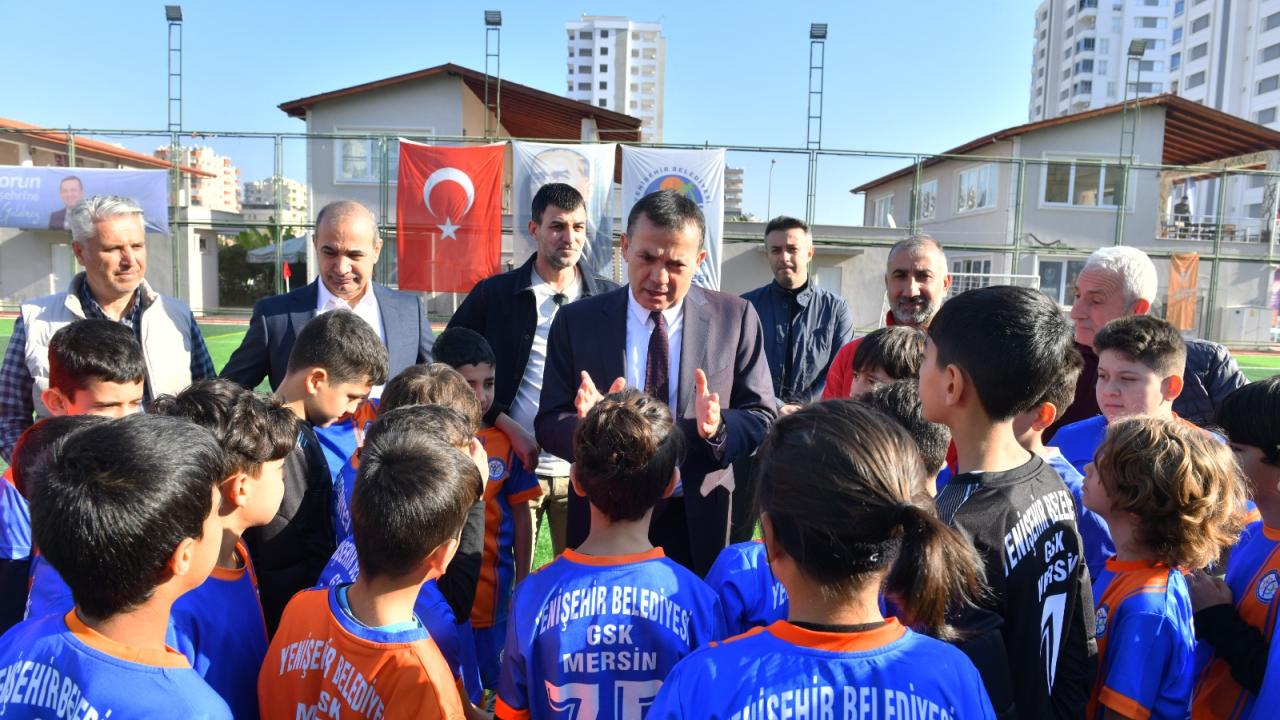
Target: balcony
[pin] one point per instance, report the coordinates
(1204, 228)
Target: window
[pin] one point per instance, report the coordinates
(1265, 117)
(584, 35)
(604, 34)
(1084, 87)
(1081, 185)
(977, 187)
(1066, 93)
(1040, 72)
(1145, 88)
(635, 87)
(928, 198)
(1039, 90)
(604, 68)
(585, 86)
(1149, 22)
(1271, 52)
(970, 274)
(1085, 45)
(1200, 23)
(1196, 80)
(1175, 61)
(1102, 67)
(584, 52)
(1070, 31)
(1058, 278)
(1257, 181)
(635, 52)
(604, 85)
(602, 103)
(1066, 53)
(1177, 35)
(1084, 66)
(359, 160)
(1153, 3)
(1070, 11)
(883, 212)
(1271, 21)
(1198, 51)
(1266, 85)
(1253, 210)
(1104, 45)
(584, 69)
(1151, 66)
(1178, 7)
(1066, 73)
(1154, 44)
(604, 51)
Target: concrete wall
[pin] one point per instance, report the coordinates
(27, 264)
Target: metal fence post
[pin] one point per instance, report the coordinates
(1020, 191)
(1123, 200)
(1217, 256)
(277, 235)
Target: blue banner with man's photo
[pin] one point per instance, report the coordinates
(41, 198)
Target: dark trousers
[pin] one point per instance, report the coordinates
(744, 513)
(691, 530)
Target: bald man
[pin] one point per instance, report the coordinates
(347, 246)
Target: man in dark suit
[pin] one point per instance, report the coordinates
(701, 351)
(71, 192)
(347, 246)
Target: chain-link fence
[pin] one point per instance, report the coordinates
(1005, 212)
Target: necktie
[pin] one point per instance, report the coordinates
(657, 370)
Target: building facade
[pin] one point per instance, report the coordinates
(260, 197)
(733, 193)
(221, 191)
(620, 65)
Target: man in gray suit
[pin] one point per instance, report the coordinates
(699, 350)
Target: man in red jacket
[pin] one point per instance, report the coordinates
(917, 281)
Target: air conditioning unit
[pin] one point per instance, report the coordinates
(1245, 324)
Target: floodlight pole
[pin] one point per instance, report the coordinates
(813, 129)
(173, 15)
(493, 68)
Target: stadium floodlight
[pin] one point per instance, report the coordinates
(1138, 48)
(818, 31)
(173, 13)
(493, 18)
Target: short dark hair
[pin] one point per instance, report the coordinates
(561, 195)
(1009, 342)
(901, 401)
(458, 346)
(252, 429)
(94, 349)
(1250, 415)
(68, 179)
(626, 449)
(108, 522)
(669, 210)
(32, 452)
(1144, 339)
(434, 384)
(840, 483)
(412, 493)
(436, 421)
(1062, 391)
(898, 350)
(344, 346)
(784, 223)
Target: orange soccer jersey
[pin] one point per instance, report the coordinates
(324, 663)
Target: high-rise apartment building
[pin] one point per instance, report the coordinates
(260, 201)
(1080, 58)
(619, 65)
(220, 192)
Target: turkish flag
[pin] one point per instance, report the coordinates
(449, 216)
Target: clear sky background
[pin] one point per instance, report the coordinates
(907, 76)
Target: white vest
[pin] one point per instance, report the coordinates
(166, 338)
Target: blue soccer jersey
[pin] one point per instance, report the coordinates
(15, 521)
(1254, 578)
(220, 629)
(749, 594)
(787, 671)
(1146, 642)
(1078, 441)
(1095, 536)
(430, 607)
(597, 635)
(341, 442)
(56, 667)
(49, 593)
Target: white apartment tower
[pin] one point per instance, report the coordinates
(1080, 58)
(619, 65)
(220, 192)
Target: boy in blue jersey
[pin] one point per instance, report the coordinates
(1140, 365)
(219, 626)
(126, 511)
(509, 493)
(458, 431)
(336, 359)
(1172, 497)
(843, 518)
(1030, 426)
(359, 650)
(601, 626)
(1235, 619)
(95, 368)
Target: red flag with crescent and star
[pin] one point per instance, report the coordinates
(449, 215)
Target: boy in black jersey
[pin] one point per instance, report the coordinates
(990, 355)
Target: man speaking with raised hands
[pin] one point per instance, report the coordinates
(699, 350)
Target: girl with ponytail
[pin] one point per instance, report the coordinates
(843, 520)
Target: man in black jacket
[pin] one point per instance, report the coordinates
(514, 312)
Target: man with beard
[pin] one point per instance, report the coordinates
(513, 311)
(917, 282)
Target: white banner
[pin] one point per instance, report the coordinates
(698, 175)
(589, 169)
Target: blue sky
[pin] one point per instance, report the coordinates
(906, 76)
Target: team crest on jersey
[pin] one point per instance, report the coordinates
(1267, 587)
(497, 468)
(1100, 620)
